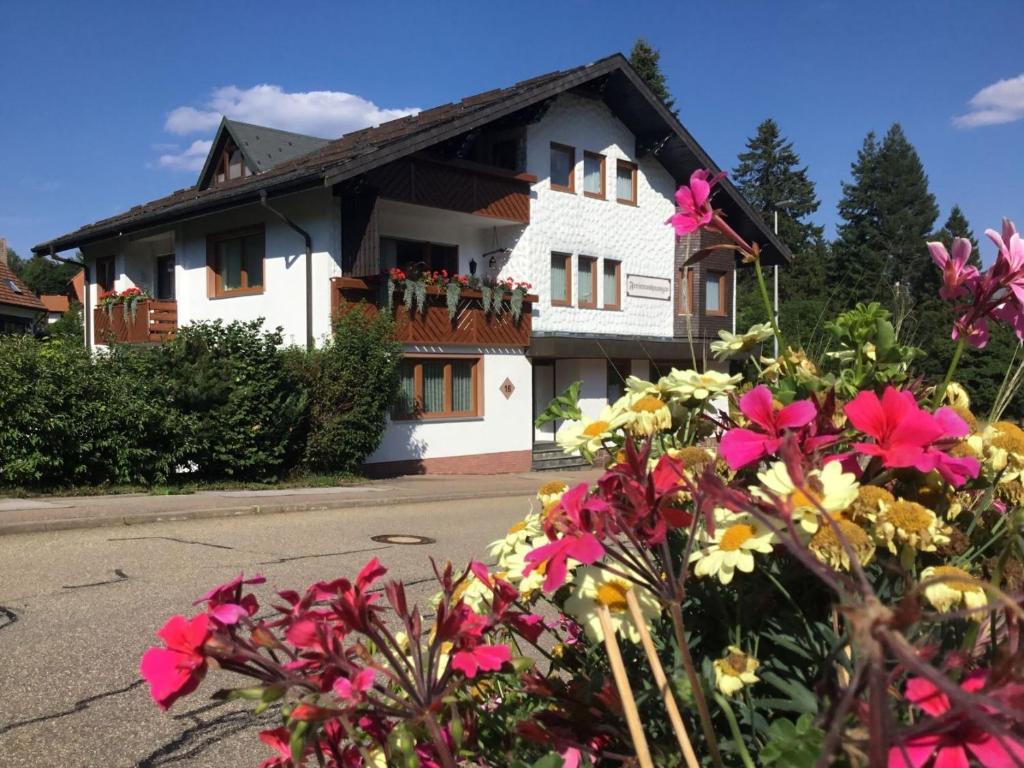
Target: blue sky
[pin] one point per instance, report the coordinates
(101, 103)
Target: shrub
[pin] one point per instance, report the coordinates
(247, 410)
(351, 383)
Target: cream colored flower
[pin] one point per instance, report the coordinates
(514, 564)
(589, 434)
(826, 545)
(735, 671)
(829, 488)
(733, 344)
(693, 387)
(518, 535)
(910, 525)
(594, 587)
(737, 537)
(1003, 449)
(956, 590)
(551, 492)
(646, 415)
(956, 396)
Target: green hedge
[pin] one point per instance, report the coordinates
(221, 402)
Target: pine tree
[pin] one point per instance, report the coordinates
(769, 173)
(887, 214)
(645, 60)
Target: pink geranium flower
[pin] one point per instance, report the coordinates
(580, 546)
(952, 746)
(177, 669)
(352, 690)
(278, 740)
(957, 274)
(740, 447)
(694, 203)
(482, 658)
(226, 604)
(905, 435)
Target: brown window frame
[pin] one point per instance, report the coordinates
(213, 281)
(571, 188)
(224, 164)
(604, 181)
(475, 412)
(592, 304)
(103, 264)
(723, 296)
(686, 274)
(618, 284)
(567, 301)
(633, 168)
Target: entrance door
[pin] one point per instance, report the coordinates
(165, 277)
(543, 394)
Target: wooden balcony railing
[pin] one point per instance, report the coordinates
(471, 326)
(155, 320)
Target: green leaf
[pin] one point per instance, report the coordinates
(565, 407)
(793, 745)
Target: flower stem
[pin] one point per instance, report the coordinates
(734, 728)
(447, 760)
(695, 685)
(769, 307)
(941, 391)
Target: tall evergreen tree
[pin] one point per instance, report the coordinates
(887, 216)
(646, 61)
(768, 173)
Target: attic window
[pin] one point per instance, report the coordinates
(231, 164)
(13, 286)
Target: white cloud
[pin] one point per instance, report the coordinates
(1001, 102)
(327, 114)
(189, 159)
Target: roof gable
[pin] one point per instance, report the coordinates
(261, 148)
(14, 292)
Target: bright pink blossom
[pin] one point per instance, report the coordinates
(694, 203)
(353, 690)
(740, 447)
(482, 658)
(905, 435)
(952, 745)
(226, 603)
(278, 740)
(177, 669)
(957, 274)
(580, 546)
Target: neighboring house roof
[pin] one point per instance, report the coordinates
(55, 303)
(358, 152)
(14, 292)
(75, 289)
(262, 147)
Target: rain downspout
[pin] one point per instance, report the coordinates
(86, 315)
(309, 266)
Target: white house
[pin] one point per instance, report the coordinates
(564, 181)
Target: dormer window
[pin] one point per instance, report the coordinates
(231, 164)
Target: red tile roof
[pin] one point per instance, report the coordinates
(12, 297)
(55, 302)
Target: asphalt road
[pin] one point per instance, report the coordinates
(78, 609)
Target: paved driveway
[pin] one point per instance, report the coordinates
(78, 608)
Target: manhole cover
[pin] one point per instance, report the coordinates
(402, 538)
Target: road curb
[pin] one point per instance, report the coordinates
(248, 510)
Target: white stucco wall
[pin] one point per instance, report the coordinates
(506, 425)
(573, 223)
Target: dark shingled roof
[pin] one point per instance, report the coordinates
(360, 151)
(262, 147)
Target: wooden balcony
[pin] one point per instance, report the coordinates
(471, 326)
(155, 320)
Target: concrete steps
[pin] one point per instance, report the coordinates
(550, 456)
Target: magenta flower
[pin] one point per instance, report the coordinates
(694, 203)
(482, 658)
(226, 603)
(278, 740)
(177, 669)
(905, 435)
(953, 744)
(740, 447)
(552, 556)
(352, 690)
(957, 274)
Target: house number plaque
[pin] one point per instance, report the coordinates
(507, 388)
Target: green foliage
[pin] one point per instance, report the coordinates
(793, 745)
(351, 383)
(69, 326)
(646, 61)
(868, 353)
(564, 407)
(41, 274)
(247, 408)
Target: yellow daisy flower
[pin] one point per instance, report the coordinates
(693, 387)
(646, 415)
(826, 545)
(737, 537)
(519, 534)
(732, 344)
(735, 671)
(957, 590)
(594, 587)
(956, 396)
(589, 434)
(911, 525)
(551, 492)
(829, 488)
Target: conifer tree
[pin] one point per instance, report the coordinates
(646, 61)
(769, 172)
(887, 216)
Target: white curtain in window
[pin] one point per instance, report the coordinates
(712, 294)
(611, 284)
(462, 386)
(624, 183)
(230, 263)
(558, 278)
(406, 401)
(586, 280)
(433, 386)
(592, 174)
